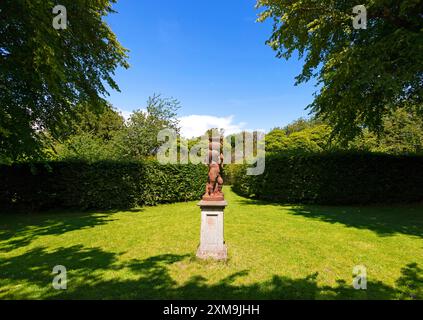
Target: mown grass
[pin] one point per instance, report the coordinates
(275, 252)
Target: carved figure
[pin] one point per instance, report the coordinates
(215, 162)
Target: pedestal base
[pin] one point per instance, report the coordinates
(221, 254)
(212, 244)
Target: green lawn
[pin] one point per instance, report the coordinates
(275, 252)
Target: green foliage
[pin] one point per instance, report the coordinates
(363, 74)
(100, 185)
(308, 140)
(102, 123)
(300, 125)
(91, 136)
(402, 133)
(230, 172)
(335, 178)
(86, 146)
(308, 137)
(106, 136)
(45, 73)
(138, 139)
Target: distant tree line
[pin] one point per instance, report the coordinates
(401, 133)
(107, 135)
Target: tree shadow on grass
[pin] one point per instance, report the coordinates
(35, 266)
(19, 230)
(152, 278)
(383, 220)
(410, 283)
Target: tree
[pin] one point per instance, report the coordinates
(276, 140)
(45, 72)
(107, 136)
(91, 135)
(301, 124)
(310, 137)
(363, 74)
(103, 123)
(402, 133)
(85, 146)
(139, 138)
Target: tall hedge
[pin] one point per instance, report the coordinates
(335, 178)
(99, 185)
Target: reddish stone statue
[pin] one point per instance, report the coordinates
(215, 162)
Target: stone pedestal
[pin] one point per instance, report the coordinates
(212, 244)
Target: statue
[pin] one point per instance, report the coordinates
(214, 161)
(212, 243)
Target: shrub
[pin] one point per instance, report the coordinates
(335, 178)
(98, 185)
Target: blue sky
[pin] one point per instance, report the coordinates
(212, 57)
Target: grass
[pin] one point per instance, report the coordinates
(275, 252)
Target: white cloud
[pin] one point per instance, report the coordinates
(125, 114)
(197, 125)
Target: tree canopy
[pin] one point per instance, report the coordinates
(299, 136)
(45, 72)
(139, 138)
(402, 132)
(363, 74)
(91, 136)
(108, 136)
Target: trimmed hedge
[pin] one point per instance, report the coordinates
(99, 185)
(335, 178)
